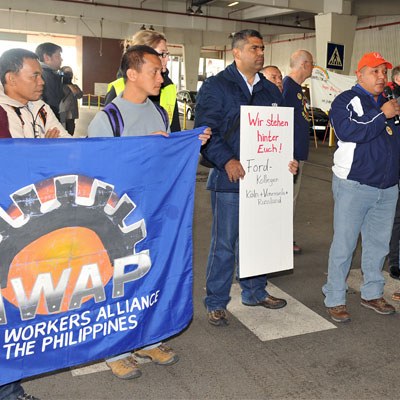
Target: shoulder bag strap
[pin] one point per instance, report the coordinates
(115, 118)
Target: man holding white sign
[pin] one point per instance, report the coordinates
(218, 107)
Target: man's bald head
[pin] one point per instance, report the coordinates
(299, 57)
(301, 65)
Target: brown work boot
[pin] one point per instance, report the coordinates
(269, 302)
(396, 296)
(217, 318)
(339, 313)
(381, 306)
(125, 368)
(161, 355)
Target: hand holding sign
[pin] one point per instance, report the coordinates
(234, 170)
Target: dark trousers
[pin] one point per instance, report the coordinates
(394, 241)
(11, 391)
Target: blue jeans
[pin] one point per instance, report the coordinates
(11, 391)
(223, 256)
(369, 211)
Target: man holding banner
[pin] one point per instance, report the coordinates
(218, 106)
(365, 186)
(20, 75)
(89, 267)
(137, 116)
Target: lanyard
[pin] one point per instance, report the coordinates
(37, 128)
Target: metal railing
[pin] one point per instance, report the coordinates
(93, 100)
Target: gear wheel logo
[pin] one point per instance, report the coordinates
(55, 227)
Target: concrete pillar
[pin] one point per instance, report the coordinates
(335, 28)
(191, 56)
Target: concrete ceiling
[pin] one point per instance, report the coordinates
(297, 12)
(289, 16)
(121, 18)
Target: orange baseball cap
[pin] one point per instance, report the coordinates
(373, 60)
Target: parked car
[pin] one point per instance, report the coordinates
(321, 121)
(188, 97)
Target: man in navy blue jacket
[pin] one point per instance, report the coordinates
(218, 106)
(365, 186)
(301, 66)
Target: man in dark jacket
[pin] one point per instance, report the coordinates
(50, 59)
(393, 257)
(218, 107)
(364, 185)
(301, 66)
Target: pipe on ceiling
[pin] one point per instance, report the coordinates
(305, 28)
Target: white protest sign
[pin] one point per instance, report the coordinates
(326, 85)
(266, 192)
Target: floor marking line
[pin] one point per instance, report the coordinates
(292, 320)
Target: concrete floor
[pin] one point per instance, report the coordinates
(358, 360)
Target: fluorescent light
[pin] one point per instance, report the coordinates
(235, 3)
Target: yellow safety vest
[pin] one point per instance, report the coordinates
(167, 95)
(119, 86)
(168, 99)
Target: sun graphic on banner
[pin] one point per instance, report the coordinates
(59, 225)
(64, 248)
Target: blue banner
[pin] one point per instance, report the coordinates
(95, 247)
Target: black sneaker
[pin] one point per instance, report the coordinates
(394, 271)
(27, 396)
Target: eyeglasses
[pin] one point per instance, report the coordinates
(163, 54)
